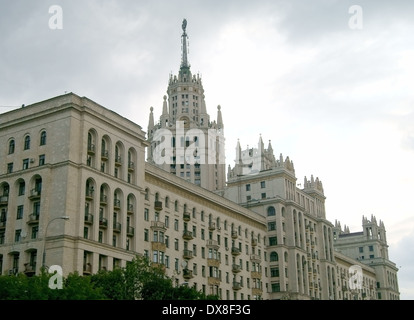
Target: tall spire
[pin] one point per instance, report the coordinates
(184, 38)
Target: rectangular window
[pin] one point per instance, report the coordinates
(263, 184)
(25, 164)
(10, 167)
(272, 241)
(146, 237)
(371, 248)
(247, 187)
(35, 232)
(17, 235)
(361, 249)
(271, 226)
(19, 212)
(22, 187)
(146, 214)
(42, 160)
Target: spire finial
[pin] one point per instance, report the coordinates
(184, 61)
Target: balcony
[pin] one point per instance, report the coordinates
(187, 274)
(103, 200)
(118, 161)
(211, 226)
(104, 155)
(117, 227)
(187, 254)
(187, 235)
(158, 225)
(236, 285)
(130, 209)
(212, 244)
(130, 231)
(3, 223)
(33, 218)
(157, 205)
(91, 149)
(235, 251)
(131, 166)
(88, 218)
(29, 269)
(103, 223)
(117, 204)
(254, 242)
(4, 200)
(234, 234)
(34, 194)
(236, 268)
(87, 269)
(89, 194)
(255, 258)
(186, 217)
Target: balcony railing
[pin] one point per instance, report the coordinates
(187, 235)
(117, 227)
(33, 218)
(187, 254)
(130, 231)
(88, 218)
(157, 205)
(103, 222)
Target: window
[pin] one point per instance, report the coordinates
(11, 146)
(17, 235)
(41, 160)
(361, 249)
(25, 164)
(271, 226)
(10, 167)
(43, 138)
(248, 187)
(19, 212)
(263, 184)
(22, 187)
(264, 195)
(371, 248)
(146, 214)
(27, 143)
(272, 241)
(274, 272)
(274, 256)
(146, 235)
(35, 232)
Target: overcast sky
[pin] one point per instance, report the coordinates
(329, 84)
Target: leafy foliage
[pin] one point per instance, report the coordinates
(138, 280)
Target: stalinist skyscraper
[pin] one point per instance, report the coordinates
(185, 142)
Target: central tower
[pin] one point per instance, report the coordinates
(185, 142)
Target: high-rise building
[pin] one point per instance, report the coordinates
(76, 191)
(185, 142)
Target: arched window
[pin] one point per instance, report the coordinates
(271, 211)
(43, 138)
(11, 146)
(27, 143)
(274, 256)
